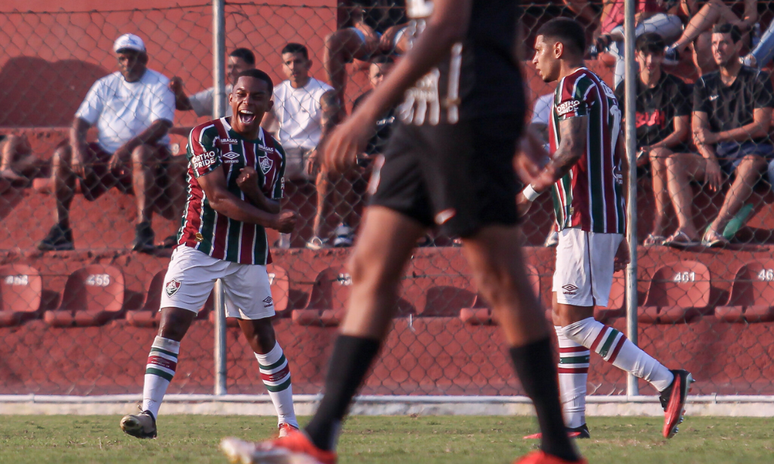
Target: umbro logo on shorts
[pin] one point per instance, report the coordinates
(267, 302)
(172, 287)
(569, 289)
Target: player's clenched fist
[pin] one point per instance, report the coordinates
(286, 222)
(247, 181)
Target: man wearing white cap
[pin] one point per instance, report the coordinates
(133, 110)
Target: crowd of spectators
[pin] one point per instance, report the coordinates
(711, 129)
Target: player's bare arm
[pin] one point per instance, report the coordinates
(702, 134)
(152, 134)
(571, 148)
(756, 129)
(227, 204)
(247, 181)
(446, 26)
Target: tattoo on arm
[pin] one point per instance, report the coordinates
(573, 143)
(329, 105)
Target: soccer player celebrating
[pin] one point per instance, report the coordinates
(235, 183)
(586, 174)
(449, 162)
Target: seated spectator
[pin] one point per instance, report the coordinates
(652, 16)
(378, 28)
(698, 29)
(133, 109)
(763, 52)
(731, 119)
(17, 163)
(663, 123)
(203, 103)
(304, 111)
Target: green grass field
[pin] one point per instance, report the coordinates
(388, 440)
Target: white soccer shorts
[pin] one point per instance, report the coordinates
(191, 276)
(584, 267)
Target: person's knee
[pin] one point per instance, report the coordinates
(141, 155)
(367, 267)
(62, 156)
(751, 166)
(174, 323)
(659, 156)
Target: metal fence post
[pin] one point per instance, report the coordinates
(219, 110)
(630, 76)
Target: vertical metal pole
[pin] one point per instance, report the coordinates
(630, 78)
(219, 110)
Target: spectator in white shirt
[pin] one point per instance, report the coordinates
(203, 103)
(133, 110)
(305, 110)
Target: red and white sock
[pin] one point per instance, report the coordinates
(573, 372)
(616, 349)
(162, 362)
(275, 374)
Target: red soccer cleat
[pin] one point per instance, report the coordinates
(577, 432)
(285, 429)
(673, 401)
(540, 457)
(295, 448)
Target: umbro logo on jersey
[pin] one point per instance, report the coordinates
(570, 289)
(713, 97)
(267, 302)
(231, 157)
(266, 164)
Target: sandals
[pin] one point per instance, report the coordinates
(651, 240)
(713, 239)
(681, 240)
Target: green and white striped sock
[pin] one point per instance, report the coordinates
(275, 374)
(162, 362)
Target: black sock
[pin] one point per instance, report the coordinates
(350, 361)
(535, 367)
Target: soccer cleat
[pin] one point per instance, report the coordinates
(58, 239)
(143, 238)
(285, 429)
(141, 425)
(541, 457)
(673, 401)
(343, 236)
(577, 432)
(295, 448)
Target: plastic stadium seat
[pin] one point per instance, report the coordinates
(280, 289)
(92, 296)
(448, 300)
(678, 292)
(481, 314)
(20, 293)
(327, 304)
(149, 315)
(752, 295)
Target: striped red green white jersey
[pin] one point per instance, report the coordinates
(590, 196)
(214, 147)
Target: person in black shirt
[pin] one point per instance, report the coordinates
(663, 122)
(449, 163)
(731, 120)
(378, 69)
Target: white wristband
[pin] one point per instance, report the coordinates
(530, 193)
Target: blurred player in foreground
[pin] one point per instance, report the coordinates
(235, 186)
(586, 174)
(449, 163)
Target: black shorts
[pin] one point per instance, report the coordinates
(459, 176)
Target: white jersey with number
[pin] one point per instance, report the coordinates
(299, 113)
(122, 110)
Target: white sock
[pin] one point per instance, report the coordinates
(573, 371)
(162, 362)
(275, 374)
(616, 349)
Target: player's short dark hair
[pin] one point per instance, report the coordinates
(293, 47)
(650, 42)
(382, 59)
(567, 31)
(727, 28)
(245, 54)
(258, 74)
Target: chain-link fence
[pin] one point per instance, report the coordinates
(81, 321)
